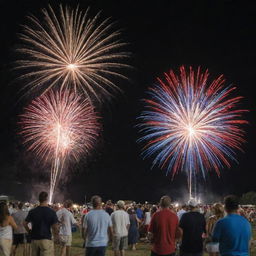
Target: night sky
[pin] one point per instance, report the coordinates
(218, 35)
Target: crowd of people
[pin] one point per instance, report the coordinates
(187, 230)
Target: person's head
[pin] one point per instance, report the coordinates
(184, 207)
(192, 204)
(109, 203)
(96, 201)
(130, 211)
(3, 212)
(20, 205)
(218, 209)
(120, 204)
(165, 202)
(43, 197)
(68, 203)
(231, 203)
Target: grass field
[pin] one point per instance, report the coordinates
(143, 249)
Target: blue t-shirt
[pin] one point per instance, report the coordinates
(233, 234)
(96, 223)
(139, 213)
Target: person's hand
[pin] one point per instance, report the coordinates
(56, 239)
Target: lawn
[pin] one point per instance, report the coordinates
(143, 249)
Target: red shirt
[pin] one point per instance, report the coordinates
(163, 225)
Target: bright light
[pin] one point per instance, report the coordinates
(191, 130)
(71, 66)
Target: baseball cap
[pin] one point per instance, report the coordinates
(192, 202)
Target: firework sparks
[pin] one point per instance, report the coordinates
(190, 124)
(59, 126)
(70, 49)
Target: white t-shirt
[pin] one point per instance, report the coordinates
(66, 219)
(147, 218)
(120, 220)
(19, 217)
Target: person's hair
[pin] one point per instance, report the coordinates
(68, 203)
(43, 196)
(4, 213)
(218, 210)
(109, 203)
(20, 205)
(96, 201)
(231, 203)
(120, 204)
(165, 201)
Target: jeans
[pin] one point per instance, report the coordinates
(95, 251)
(155, 254)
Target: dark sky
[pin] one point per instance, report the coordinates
(218, 35)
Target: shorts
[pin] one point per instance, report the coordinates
(65, 240)
(120, 243)
(21, 239)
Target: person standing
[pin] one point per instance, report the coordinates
(66, 220)
(7, 223)
(233, 232)
(42, 218)
(193, 227)
(121, 222)
(133, 233)
(164, 229)
(218, 213)
(20, 235)
(109, 207)
(96, 227)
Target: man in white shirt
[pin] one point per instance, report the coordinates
(66, 219)
(121, 222)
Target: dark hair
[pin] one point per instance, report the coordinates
(96, 201)
(231, 203)
(68, 203)
(20, 205)
(43, 196)
(4, 213)
(165, 201)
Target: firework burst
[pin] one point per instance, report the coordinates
(190, 124)
(58, 127)
(69, 49)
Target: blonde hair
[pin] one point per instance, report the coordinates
(218, 210)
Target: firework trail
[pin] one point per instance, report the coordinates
(59, 127)
(69, 49)
(190, 124)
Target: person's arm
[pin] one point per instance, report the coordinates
(55, 231)
(55, 228)
(178, 231)
(27, 221)
(128, 221)
(216, 232)
(84, 228)
(12, 223)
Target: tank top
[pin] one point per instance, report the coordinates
(6, 232)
